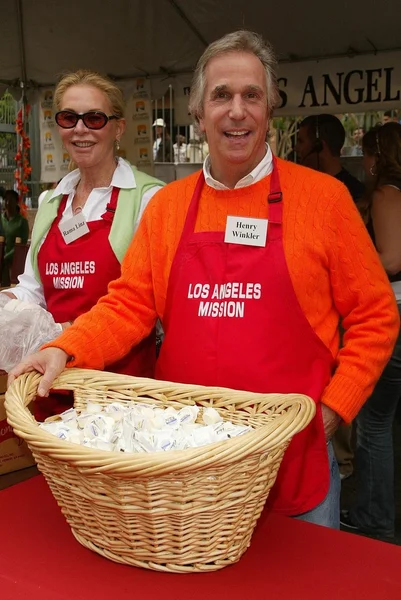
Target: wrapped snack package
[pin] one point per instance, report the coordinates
(211, 416)
(142, 427)
(24, 329)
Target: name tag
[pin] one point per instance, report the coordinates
(246, 231)
(74, 228)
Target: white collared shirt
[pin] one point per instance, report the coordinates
(28, 288)
(264, 168)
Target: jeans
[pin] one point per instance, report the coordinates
(327, 513)
(374, 510)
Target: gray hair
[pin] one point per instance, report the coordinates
(238, 41)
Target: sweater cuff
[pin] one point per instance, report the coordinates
(66, 343)
(344, 397)
(71, 359)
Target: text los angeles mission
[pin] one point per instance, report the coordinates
(224, 299)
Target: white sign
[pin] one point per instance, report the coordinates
(74, 228)
(337, 85)
(55, 159)
(246, 231)
(138, 138)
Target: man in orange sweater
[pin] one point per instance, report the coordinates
(249, 264)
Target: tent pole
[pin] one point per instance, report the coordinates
(23, 84)
(21, 44)
(171, 123)
(186, 20)
(164, 131)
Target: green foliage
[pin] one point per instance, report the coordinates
(8, 111)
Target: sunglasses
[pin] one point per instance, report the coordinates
(93, 119)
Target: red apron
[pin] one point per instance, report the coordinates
(76, 275)
(249, 335)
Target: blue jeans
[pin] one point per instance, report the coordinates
(327, 513)
(374, 510)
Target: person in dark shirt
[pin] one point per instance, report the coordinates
(355, 187)
(319, 142)
(14, 226)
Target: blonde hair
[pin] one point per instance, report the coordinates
(239, 41)
(86, 77)
(102, 83)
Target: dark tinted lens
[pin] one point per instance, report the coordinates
(66, 119)
(95, 120)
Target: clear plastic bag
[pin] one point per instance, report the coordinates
(23, 332)
(4, 300)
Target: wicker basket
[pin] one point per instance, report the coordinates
(183, 511)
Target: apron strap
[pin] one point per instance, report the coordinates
(112, 205)
(275, 201)
(61, 209)
(190, 219)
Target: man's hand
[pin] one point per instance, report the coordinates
(50, 362)
(331, 421)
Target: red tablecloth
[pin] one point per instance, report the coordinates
(288, 559)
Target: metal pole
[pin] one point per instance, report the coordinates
(21, 41)
(23, 81)
(171, 122)
(154, 132)
(164, 130)
(34, 135)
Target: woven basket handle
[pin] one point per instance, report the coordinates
(294, 414)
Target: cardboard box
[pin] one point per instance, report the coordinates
(3, 382)
(14, 453)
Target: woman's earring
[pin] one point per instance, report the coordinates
(372, 170)
(117, 145)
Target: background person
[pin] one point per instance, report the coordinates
(180, 149)
(165, 149)
(162, 151)
(105, 194)
(197, 149)
(390, 116)
(158, 127)
(14, 226)
(374, 511)
(357, 136)
(262, 314)
(2, 194)
(319, 143)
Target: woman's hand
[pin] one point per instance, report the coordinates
(50, 362)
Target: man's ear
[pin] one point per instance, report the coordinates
(201, 124)
(320, 145)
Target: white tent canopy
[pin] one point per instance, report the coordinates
(162, 39)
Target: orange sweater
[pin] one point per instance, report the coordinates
(332, 263)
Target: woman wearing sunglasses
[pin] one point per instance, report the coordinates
(83, 226)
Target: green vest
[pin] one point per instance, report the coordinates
(122, 228)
